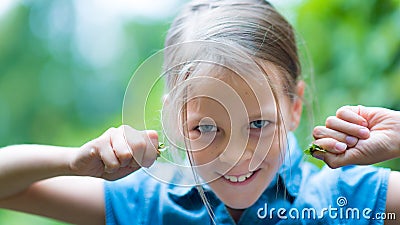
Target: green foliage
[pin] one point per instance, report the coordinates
(354, 49)
(17, 218)
(50, 93)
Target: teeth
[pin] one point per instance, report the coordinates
(239, 178)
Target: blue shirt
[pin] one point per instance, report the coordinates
(300, 194)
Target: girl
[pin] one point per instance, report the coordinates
(234, 91)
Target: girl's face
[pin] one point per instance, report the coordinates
(234, 139)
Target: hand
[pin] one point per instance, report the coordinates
(116, 153)
(359, 135)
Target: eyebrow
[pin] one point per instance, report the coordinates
(266, 113)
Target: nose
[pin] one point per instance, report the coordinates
(235, 156)
(239, 149)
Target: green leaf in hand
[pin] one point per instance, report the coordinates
(313, 147)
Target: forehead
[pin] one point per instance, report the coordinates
(230, 91)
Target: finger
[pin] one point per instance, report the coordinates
(150, 154)
(121, 172)
(121, 147)
(331, 145)
(336, 160)
(136, 143)
(351, 114)
(351, 129)
(106, 152)
(324, 132)
(144, 148)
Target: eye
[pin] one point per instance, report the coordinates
(258, 124)
(207, 128)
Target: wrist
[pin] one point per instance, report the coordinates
(397, 132)
(63, 166)
(55, 160)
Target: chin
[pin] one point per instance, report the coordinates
(239, 203)
(237, 198)
(245, 194)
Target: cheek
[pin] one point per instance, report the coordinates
(206, 165)
(199, 141)
(207, 147)
(276, 154)
(204, 152)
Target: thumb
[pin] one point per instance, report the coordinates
(334, 160)
(153, 137)
(150, 153)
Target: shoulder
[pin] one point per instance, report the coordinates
(347, 180)
(124, 197)
(130, 187)
(350, 188)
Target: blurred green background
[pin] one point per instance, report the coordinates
(65, 64)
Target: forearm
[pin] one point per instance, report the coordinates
(392, 119)
(22, 165)
(397, 130)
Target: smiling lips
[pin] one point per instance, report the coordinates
(240, 178)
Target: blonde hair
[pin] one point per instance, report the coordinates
(253, 28)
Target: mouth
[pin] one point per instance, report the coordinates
(240, 179)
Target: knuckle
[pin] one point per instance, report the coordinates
(108, 133)
(341, 111)
(111, 178)
(123, 127)
(331, 165)
(331, 143)
(344, 108)
(334, 164)
(111, 129)
(147, 163)
(342, 137)
(126, 128)
(330, 121)
(124, 155)
(113, 165)
(96, 143)
(139, 144)
(317, 132)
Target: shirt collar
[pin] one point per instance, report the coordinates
(289, 172)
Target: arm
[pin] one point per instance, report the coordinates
(381, 142)
(71, 199)
(393, 197)
(77, 200)
(38, 181)
(22, 165)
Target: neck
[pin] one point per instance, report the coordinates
(235, 213)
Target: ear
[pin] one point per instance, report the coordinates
(297, 105)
